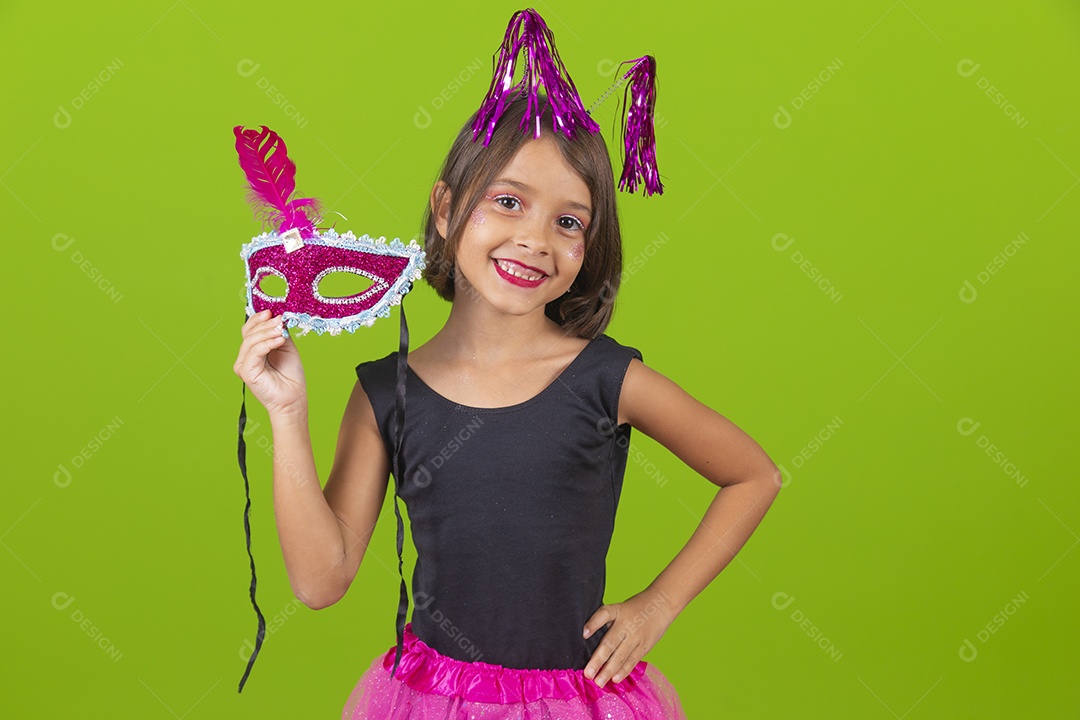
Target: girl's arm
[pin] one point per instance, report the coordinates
(357, 485)
(323, 535)
(713, 446)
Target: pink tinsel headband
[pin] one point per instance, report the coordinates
(528, 35)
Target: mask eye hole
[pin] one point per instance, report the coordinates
(270, 284)
(274, 286)
(343, 285)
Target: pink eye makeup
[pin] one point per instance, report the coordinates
(499, 198)
(578, 225)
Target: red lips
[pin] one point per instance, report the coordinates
(521, 282)
(527, 267)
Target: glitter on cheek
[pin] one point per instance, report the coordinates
(576, 251)
(477, 217)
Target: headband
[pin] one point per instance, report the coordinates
(527, 35)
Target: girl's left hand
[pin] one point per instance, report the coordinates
(637, 624)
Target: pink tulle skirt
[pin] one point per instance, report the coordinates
(432, 686)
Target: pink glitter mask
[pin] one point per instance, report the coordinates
(392, 267)
(302, 257)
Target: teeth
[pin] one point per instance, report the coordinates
(513, 270)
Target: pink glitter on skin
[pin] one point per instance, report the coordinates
(576, 251)
(477, 217)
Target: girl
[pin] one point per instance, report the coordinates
(515, 444)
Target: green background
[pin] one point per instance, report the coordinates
(861, 258)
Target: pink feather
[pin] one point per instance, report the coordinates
(271, 177)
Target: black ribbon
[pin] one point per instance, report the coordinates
(399, 429)
(241, 455)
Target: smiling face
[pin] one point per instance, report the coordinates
(525, 241)
(466, 179)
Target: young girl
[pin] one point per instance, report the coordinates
(516, 435)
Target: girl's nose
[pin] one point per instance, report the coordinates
(533, 235)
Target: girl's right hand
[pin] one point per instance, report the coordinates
(269, 365)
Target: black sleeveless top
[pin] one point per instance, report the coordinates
(511, 509)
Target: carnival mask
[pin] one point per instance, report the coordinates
(302, 257)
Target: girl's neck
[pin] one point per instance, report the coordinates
(475, 331)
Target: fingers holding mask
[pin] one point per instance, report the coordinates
(261, 334)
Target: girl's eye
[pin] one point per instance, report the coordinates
(575, 224)
(501, 198)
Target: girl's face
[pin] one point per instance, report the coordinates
(524, 243)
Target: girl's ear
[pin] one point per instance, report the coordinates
(440, 206)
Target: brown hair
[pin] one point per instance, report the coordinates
(470, 168)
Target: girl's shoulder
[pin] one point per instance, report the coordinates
(378, 375)
(618, 353)
(617, 350)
